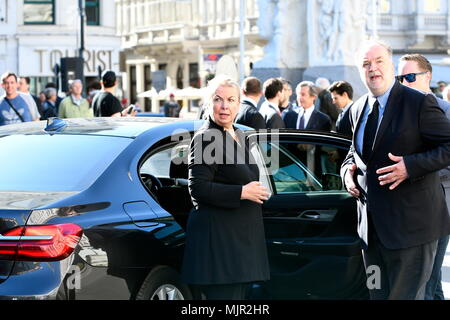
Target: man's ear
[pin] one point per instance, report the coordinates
(429, 76)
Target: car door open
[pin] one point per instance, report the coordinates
(310, 220)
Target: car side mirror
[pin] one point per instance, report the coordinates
(331, 181)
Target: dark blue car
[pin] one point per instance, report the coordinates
(96, 209)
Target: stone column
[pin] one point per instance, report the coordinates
(285, 53)
(140, 82)
(155, 100)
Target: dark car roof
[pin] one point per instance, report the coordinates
(130, 127)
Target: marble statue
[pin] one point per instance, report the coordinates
(280, 26)
(337, 27)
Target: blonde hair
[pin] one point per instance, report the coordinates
(215, 83)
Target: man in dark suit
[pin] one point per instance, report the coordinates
(324, 102)
(342, 94)
(307, 117)
(248, 114)
(415, 71)
(401, 139)
(287, 91)
(273, 91)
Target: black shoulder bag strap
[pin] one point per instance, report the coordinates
(12, 107)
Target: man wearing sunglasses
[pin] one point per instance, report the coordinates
(401, 138)
(415, 71)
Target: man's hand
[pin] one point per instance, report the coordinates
(350, 181)
(395, 173)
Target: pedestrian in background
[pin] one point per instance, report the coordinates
(307, 117)
(13, 106)
(49, 107)
(105, 104)
(270, 109)
(74, 105)
(286, 104)
(248, 114)
(324, 101)
(171, 107)
(58, 98)
(225, 245)
(24, 88)
(342, 94)
(400, 141)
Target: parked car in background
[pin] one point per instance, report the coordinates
(96, 209)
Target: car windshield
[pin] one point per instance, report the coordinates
(55, 162)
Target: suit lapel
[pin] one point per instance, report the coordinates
(388, 114)
(311, 120)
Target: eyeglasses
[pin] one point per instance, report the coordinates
(410, 77)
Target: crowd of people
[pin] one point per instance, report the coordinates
(397, 167)
(19, 105)
(397, 170)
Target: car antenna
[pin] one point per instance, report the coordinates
(55, 124)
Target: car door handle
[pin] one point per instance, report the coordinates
(318, 215)
(309, 215)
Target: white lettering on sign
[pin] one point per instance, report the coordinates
(92, 59)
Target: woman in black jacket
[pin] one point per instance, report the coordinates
(225, 246)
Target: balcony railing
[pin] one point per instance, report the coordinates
(160, 21)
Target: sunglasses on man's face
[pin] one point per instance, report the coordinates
(410, 77)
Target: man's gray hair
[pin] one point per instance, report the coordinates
(310, 85)
(370, 43)
(73, 82)
(49, 92)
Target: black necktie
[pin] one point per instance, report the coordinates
(370, 131)
(301, 125)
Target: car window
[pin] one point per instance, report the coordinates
(158, 164)
(303, 167)
(55, 162)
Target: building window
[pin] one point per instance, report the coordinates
(133, 87)
(92, 9)
(39, 12)
(433, 6)
(194, 79)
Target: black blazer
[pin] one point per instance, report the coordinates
(343, 124)
(414, 213)
(249, 116)
(271, 116)
(318, 121)
(225, 241)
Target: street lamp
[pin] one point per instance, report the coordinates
(81, 9)
(375, 19)
(241, 40)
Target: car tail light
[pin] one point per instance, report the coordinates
(40, 243)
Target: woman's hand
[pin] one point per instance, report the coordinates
(255, 191)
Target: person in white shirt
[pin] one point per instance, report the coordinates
(270, 109)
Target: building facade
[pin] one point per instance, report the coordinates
(175, 43)
(421, 26)
(35, 35)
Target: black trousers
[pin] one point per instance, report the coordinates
(403, 272)
(234, 291)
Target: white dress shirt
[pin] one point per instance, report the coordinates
(306, 113)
